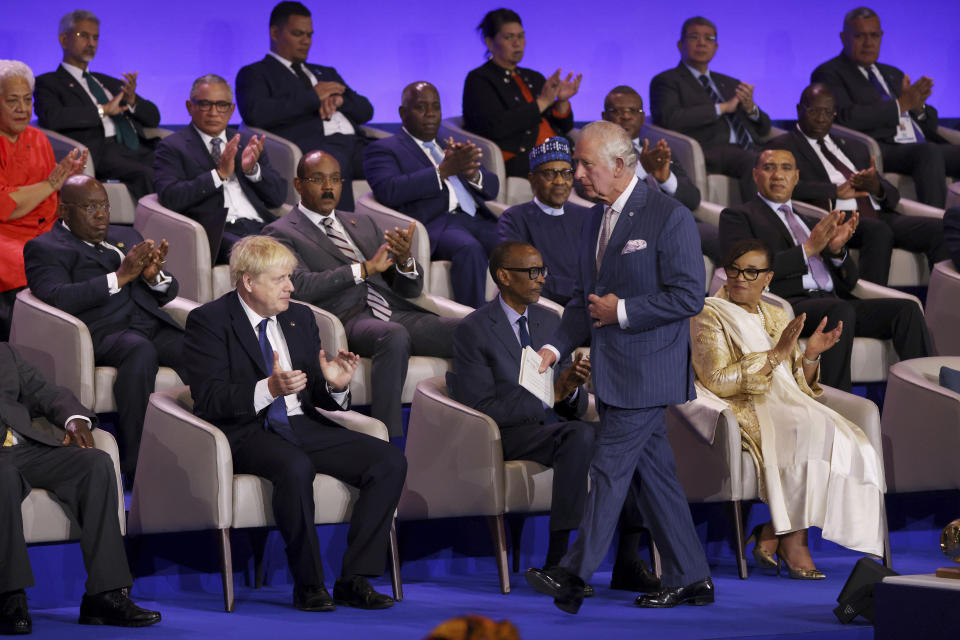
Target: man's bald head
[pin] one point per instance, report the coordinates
(79, 186)
(420, 110)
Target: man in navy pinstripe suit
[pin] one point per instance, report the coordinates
(641, 280)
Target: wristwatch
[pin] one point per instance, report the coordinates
(100, 111)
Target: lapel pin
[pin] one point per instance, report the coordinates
(630, 214)
(120, 245)
(292, 323)
(353, 222)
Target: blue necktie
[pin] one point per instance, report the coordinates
(744, 140)
(277, 420)
(524, 334)
(463, 195)
(884, 95)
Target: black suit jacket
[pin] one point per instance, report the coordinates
(757, 220)
(494, 107)
(26, 397)
(486, 367)
(324, 276)
(64, 106)
(65, 272)
(224, 361)
(679, 102)
(271, 97)
(182, 166)
(814, 185)
(861, 107)
(687, 193)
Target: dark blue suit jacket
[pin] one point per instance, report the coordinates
(403, 178)
(223, 358)
(557, 238)
(661, 279)
(486, 367)
(271, 97)
(66, 273)
(181, 167)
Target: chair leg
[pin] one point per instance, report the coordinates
(258, 540)
(226, 569)
(395, 579)
(516, 533)
(736, 514)
(655, 564)
(500, 550)
(887, 552)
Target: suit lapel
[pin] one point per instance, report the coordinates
(65, 237)
(504, 332)
(760, 208)
(246, 333)
(198, 149)
(72, 84)
(809, 153)
(302, 224)
(621, 232)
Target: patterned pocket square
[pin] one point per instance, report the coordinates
(633, 245)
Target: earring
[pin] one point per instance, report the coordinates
(767, 288)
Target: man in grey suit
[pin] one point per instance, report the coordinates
(641, 279)
(83, 481)
(363, 275)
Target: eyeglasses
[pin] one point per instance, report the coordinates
(819, 112)
(626, 111)
(222, 106)
(553, 174)
(695, 37)
(533, 272)
(748, 274)
(90, 209)
(322, 179)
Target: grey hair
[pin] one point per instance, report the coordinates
(69, 21)
(614, 142)
(15, 69)
(860, 13)
(210, 78)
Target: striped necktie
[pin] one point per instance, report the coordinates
(217, 151)
(743, 136)
(377, 303)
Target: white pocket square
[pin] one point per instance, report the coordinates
(633, 245)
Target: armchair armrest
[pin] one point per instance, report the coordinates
(156, 132)
(184, 478)
(358, 422)
(807, 209)
(914, 208)
(455, 458)
(374, 133)
(497, 208)
(950, 135)
(858, 410)
(105, 442)
(709, 212)
(443, 307)
(866, 290)
(56, 343)
(551, 305)
(705, 437)
(62, 145)
(179, 308)
(333, 337)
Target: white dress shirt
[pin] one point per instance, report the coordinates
(262, 398)
(842, 204)
(453, 202)
(550, 211)
(234, 199)
(338, 123)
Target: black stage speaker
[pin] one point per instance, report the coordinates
(856, 597)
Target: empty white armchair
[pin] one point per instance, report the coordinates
(943, 309)
(185, 482)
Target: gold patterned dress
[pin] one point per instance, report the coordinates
(816, 468)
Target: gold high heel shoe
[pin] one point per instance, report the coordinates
(799, 574)
(763, 558)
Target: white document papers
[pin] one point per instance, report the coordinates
(539, 384)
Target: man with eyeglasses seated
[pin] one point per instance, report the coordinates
(624, 106)
(716, 110)
(442, 184)
(363, 274)
(548, 222)
(486, 366)
(220, 178)
(836, 175)
(99, 111)
(815, 273)
(112, 280)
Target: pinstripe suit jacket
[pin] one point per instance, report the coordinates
(647, 364)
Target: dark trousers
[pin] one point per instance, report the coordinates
(886, 318)
(731, 160)
(466, 241)
(234, 232)
(876, 239)
(348, 150)
(373, 466)
(7, 299)
(137, 354)
(114, 161)
(632, 447)
(84, 483)
(389, 345)
(928, 163)
(568, 448)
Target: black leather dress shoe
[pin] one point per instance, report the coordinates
(566, 588)
(635, 576)
(698, 593)
(14, 616)
(115, 608)
(355, 591)
(312, 598)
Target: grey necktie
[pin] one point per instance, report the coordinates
(605, 231)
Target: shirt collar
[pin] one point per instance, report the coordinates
(420, 142)
(776, 205)
(252, 316)
(813, 141)
(697, 74)
(512, 314)
(550, 211)
(287, 63)
(619, 203)
(74, 71)
(207, 138)
(317, 218)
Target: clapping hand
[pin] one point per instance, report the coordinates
(282, 382)
(744, 93)
(155, 264)
(460, 159)
(228, 158)
(339, 371)
(789, 336)
(70, 165)
(656, 160)
(819, 341)
(843, 232)
(134, 262)
(251, 154)
(569, 86)
(113, 107)
(398, 243)
(822, 233)
(867, 181)
(129, 88)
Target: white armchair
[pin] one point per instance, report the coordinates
(185, 482)
(943, 309)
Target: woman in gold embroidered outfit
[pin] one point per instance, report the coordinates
(815, 467)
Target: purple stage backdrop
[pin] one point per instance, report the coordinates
(380, 46)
